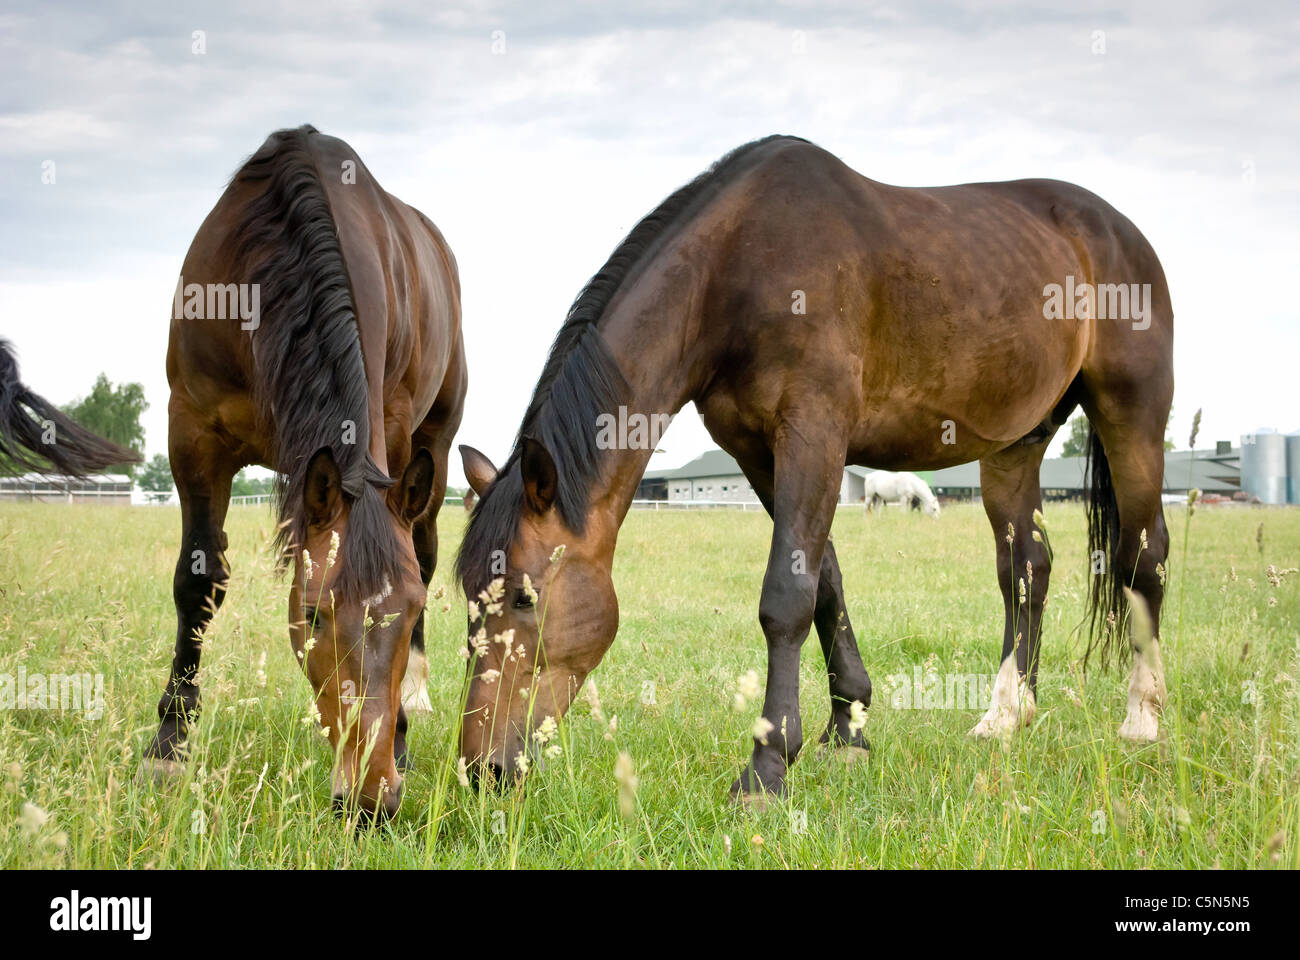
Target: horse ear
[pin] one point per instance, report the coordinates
(322, 492)
(478, 469)
(411, 495)
(538, 470)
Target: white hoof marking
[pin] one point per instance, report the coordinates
(1146, 695)
(1013, 703)
(415, 685)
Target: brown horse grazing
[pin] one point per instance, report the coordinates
(818, 318)
(316, 330)
(36, 435)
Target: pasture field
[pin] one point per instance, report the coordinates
(88, 590)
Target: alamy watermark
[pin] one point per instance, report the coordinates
(218, 301)
(930, 690)
(75, 913)
(1102, 301)
(53, 691)
(630, 431)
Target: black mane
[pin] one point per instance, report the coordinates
(309, 375)
(581, 380)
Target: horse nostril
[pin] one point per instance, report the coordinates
(391, 801)
(367, 811)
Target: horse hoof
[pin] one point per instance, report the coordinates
(850, 755)
(1013, 705)
(417, 702)
(997, 727)
(752, 801)
(1140, 728)
(159, 772)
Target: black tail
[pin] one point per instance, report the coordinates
(1107, 594)
(36, 435)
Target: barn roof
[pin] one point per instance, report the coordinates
(711, 463)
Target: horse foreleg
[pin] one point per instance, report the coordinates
(203, 471)
(806, 477)
(845, 673)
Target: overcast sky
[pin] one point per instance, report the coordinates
(536, 159)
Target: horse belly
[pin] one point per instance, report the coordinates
(959, 360)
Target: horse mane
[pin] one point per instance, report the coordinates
(309, 375)
(580, 381)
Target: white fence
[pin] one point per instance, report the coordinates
(250, 499)
(696, 505)
(253, 499)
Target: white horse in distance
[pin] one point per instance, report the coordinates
(908, 489)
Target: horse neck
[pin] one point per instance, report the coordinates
(652, 328)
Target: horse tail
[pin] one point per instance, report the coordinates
(1106, 597)
(36, 435)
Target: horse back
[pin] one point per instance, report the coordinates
(912, 310)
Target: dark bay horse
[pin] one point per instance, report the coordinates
(316, 331)
(36, 435)
(817, 318)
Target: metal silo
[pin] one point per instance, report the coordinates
(1263, 466)
(1293, 468)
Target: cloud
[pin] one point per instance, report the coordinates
(535, 160)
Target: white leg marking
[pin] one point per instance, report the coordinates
(1013, 703)
(1146, 695)
(415, 685)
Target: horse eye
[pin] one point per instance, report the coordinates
(311, 614)
(521, 600)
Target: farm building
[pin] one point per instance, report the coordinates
(106, 488)
(1066, 478)
(715, 476)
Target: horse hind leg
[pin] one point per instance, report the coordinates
(414, 694)
(1134, 461)
(424, 534)
(1009, 487)
(415, 684)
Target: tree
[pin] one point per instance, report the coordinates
(114, 413)
(245, 486)
(1076, 441)
(156, 475)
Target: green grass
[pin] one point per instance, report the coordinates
(86, 589)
